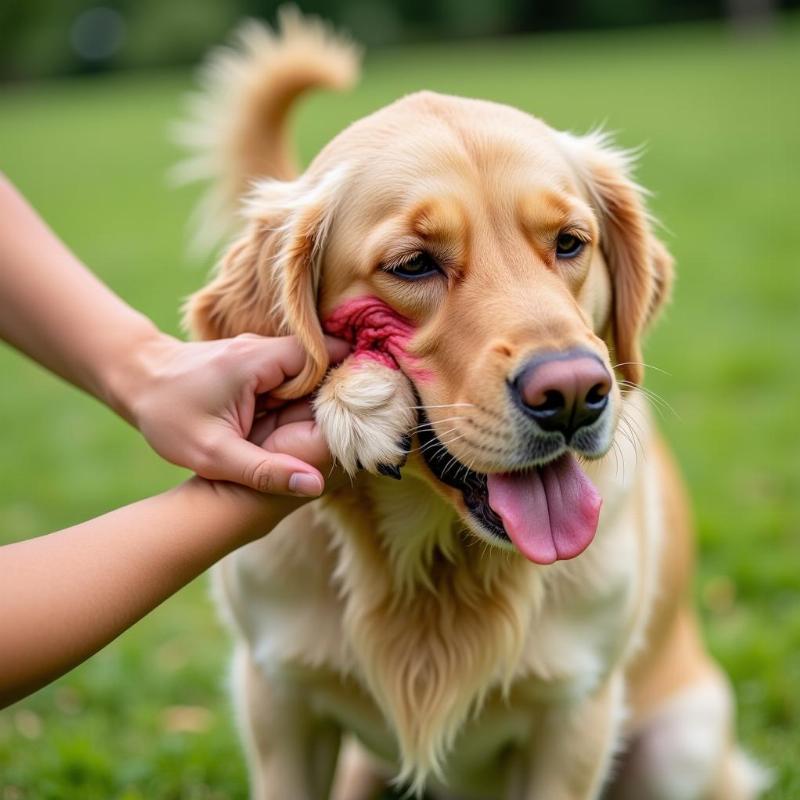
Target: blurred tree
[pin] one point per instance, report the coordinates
(752, 16)
(176, 31)
(34, 37)
(50, 37)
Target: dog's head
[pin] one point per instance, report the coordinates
(507, 269)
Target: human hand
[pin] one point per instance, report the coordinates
(249, 514)
(196, 404)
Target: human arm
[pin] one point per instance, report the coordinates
(67, 594)
(194, 402)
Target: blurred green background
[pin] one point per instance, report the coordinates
(717, 110)
(49, 37)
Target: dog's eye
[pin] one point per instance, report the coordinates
(420, 265)
(568, 245)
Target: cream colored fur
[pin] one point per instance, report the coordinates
(383, 615)
(365, 410)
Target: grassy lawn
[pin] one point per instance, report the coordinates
(148, 717)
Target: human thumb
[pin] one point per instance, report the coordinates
(266, 471)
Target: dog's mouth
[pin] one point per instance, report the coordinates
(549, 512)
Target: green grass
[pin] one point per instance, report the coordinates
(721, 123)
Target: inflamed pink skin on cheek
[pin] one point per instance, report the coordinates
(376, 331)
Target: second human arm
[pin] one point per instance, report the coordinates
(67, 594)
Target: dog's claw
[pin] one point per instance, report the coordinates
(390, 471)
(405, 446)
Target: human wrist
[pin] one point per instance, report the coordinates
(130, 368)
(230, 514)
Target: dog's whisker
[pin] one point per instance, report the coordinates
(449, 464)
(442, 405)
(490, 431)
(472, 464)
(501, 451)
(659, 410)
(640, 364)
(645, 390)
(635, 430)
(442, 451)
(638, 446)
(629, 408)
(620, 455)
(429, 425)
(440, 448)
(437, 441)
(626, 433)
(606, 459)
(633, 421)
(659, 402)
(627, 418)
(453, 439)
(659, 405)
(488, 439)
(615, 450)
(464, 471)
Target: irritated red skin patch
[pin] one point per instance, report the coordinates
(376, 331)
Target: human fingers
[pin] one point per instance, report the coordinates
(304, 440)
(272, 360)
(294, 411)
(338, 349)
(276, 360)
(272, 471)
(301, 439)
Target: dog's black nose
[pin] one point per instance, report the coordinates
(563, 391)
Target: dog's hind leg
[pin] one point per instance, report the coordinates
(681, 738)
(290, 753)
(684, 750)
(366, 411)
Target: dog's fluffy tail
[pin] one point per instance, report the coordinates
(237, 127)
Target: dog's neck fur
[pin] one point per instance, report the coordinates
(434, 618)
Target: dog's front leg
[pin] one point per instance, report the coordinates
(366, 411)
(290, 752)
(570, 754)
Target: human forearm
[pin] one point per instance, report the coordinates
(66, 595)
(56, 311)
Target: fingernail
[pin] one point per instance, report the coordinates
(304, 484)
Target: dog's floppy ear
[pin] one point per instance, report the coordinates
(639, 264)
(267, 281)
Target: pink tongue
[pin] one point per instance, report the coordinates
(550, 512)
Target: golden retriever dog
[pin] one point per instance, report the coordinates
(497, 604)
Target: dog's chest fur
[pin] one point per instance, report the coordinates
(413, 636)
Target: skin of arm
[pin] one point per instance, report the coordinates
(67, 594)
(193, 402)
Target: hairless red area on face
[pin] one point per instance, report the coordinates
(374, 330)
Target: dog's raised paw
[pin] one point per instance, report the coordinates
(366, 412)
